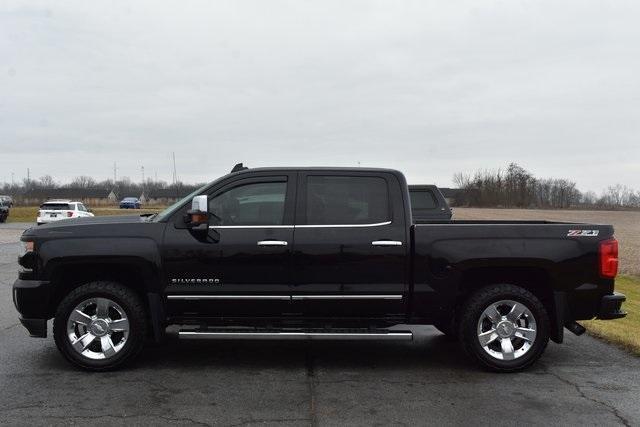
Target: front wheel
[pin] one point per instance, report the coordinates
(100, 325)
(504, 327)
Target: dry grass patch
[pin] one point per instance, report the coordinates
(29, 213)
(624, 332)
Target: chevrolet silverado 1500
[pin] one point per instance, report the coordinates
(312, 253)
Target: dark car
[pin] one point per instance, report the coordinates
(428, 203)
(4, 210)
(130, 203)
(314, 254)
(8, 200)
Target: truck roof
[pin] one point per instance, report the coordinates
(317, 168)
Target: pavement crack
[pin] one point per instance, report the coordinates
(267, 420)
(311, 384)
(181, 420)
(611, 409)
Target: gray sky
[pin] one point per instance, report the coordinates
(430, 88)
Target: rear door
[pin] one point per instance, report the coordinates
(351, 252)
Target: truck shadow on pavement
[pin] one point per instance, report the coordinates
(433, 351)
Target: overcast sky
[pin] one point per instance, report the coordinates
(430, 88)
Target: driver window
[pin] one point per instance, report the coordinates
(250, 204)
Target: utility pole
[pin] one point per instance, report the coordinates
(175, 174)
(12, 174)
(28, 175)
(115, 176)
(142, 169)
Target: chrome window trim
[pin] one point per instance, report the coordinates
(377, 224)
(251, 226)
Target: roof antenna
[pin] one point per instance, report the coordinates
(239, 167)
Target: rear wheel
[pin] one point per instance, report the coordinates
(100, 325)
(504, 327)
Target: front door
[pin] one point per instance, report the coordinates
(246, 272)
(351, 251)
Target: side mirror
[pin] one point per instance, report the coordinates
(197, 218)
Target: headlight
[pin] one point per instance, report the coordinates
(27, 247)
(27, 258)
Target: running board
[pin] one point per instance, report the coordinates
(207, 335)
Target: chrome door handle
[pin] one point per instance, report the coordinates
(272, 243)
(386, 243)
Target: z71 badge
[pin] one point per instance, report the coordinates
(583, 233)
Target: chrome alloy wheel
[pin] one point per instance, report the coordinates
(506, 330)
(98, 328)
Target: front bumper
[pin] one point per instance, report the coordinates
(32, 300)
(37, 328)
(611, 306)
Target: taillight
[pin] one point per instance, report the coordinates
(609, 258)
(69, 214)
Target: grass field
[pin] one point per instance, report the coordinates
(623, 332)
(29, 213)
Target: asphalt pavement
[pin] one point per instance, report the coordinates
(424, 382)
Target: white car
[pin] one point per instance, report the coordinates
(56, 210)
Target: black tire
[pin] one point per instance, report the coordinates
(470, 316)
(127, 299)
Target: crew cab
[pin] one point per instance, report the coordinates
(311, 253)
(56, 210)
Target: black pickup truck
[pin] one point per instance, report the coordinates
(311, 253)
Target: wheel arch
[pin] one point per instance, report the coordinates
(135, 273)
(536, 280)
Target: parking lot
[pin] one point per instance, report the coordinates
(427, 381)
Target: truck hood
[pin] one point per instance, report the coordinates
(88, 226)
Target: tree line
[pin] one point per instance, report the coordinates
(84, 184)
(515, 187)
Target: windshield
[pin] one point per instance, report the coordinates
(174, 207)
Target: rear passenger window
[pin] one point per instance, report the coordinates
(423, 200)
(346, 200)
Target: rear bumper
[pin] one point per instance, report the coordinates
(43, 220)
(611, 306)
